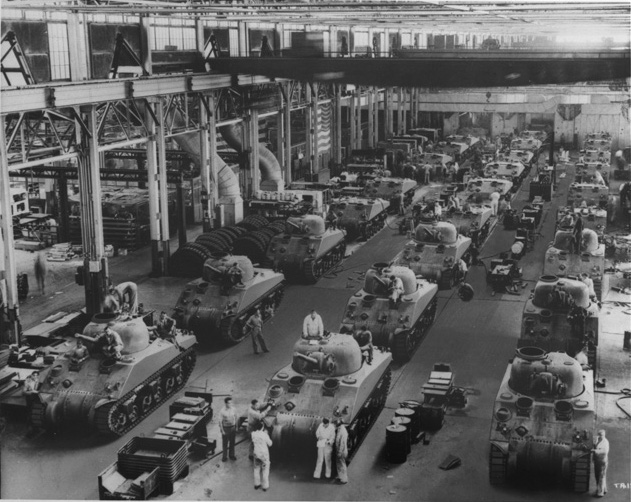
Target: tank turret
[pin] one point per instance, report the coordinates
(217, 306)
(435, 253)
(543, 420)
(326, 378)
(307, 249)
(91, 388)
(399, 326)
(474, 222)
(560, 316)
(360, 217)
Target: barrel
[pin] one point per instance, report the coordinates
(415, 406)
(407, 423)
(396, 444)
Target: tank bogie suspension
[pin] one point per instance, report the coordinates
(405, 344)
(374, 225)
(360, 426)
(313, 269)
(118, 417)
(234, 329)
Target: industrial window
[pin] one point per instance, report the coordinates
(174, 38)
(58, 47)
(406, 40)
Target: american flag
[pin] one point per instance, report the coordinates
(324, 127)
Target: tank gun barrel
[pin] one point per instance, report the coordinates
(311, 360)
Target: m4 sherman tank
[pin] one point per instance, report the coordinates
(564, 258)
(89, 388)
(360, 217)
(588, 194)
(390, 189)
(327, 378)
(307, 250)
(435, 252)
(594, 218)
(475, 222)
(216, 306)
(399, 326)
(543, 421)
(479, 190)
(560, 316)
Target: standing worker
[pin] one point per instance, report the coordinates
(256, 414)
(495, 200)
(255, 323)
(312, 327)
(262, 443)
(341, 451)
(601, 461)
(325, 435)
(396, 289)
(40, 272)
(228, 427)
(578, 233)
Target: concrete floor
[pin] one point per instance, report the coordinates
(477, 338)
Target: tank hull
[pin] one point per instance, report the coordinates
(111, 396)
(358, 400)
(399, 328)
(562, 264)
(360, 217)
(217, 317)
(306, 258)
(588, 194)
(475, 223)
(433, 262)
(525, 448)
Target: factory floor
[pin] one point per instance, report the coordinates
(477, 338)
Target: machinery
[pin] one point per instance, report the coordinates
(543, 421)
(390, 189)
(439, 393)
(360, 217)
(435, 253)
(216, 306)
(108, 394)
(503, 273)
(479, 190)
(398, 326)
(474, 223)
(306, 250)
(565, 257)
(559, 316)
(327, 378)
(514, 171)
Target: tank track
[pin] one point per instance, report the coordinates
(38, 414)
(580, 474)
(108, 417)
(232, 327)
(366, 417)
(374, 226)
(312, 270)
(404, 346)
(498, 466)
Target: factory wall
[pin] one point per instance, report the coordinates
(33, 39)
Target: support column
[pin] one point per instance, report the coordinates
(337, 130)
(309, 125)
(163, 189)
(371, 119)
(313, 132)
(244, 49)
(181, 212)
(208, 164)
(410, 109)
(400, 111)
(353, 124)
(8, 272)
(358, 119)
(375, 92)
(287, 133)
(251, 144)
(389, 113)
(95, 273)
(64, 208)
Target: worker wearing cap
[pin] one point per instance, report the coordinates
(325, 436)
(341, 451)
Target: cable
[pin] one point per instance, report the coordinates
(626, 394)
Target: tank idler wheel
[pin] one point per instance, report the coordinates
(117, 420)
(403, 347)
(310, 272)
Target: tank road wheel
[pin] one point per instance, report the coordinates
(580, 474)
(446, 280)
(498, 466)
(145, 401)
(232, 330)
(169, 384)
(403, 346)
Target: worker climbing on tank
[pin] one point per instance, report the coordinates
(112, 342)
(598, 179)
(363, 337)
(165, 328)
(582, 357)
(235, 274)
(122, 298)
(331, 219)
(567, 221)
(79, 353)
(395, 290)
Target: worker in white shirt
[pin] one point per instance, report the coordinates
(325, 436)
(395, 289)
(601, 462)
(312, 327)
